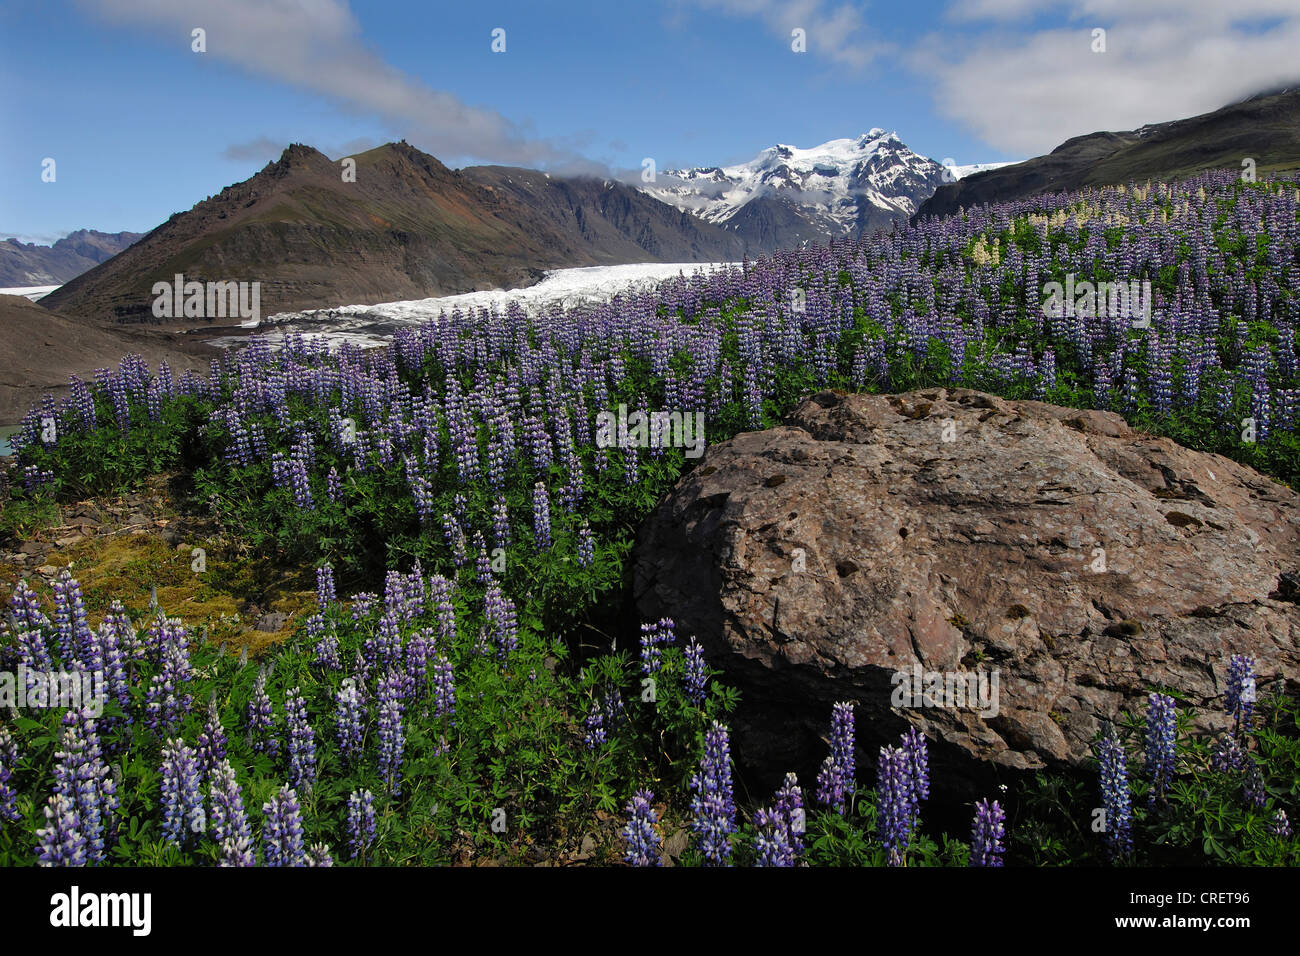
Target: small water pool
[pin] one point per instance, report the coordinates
(5, 432)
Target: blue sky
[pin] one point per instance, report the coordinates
(140, 126)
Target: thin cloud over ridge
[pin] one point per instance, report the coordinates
(289, 40)
(1027, 90)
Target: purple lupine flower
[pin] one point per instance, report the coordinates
(360, 822)
(482, 563)
(640, 837)
(1241, 691)
(396, 602)
(83, 403)
(455, 538)
(894, 794)
(1280, 826)
(108, 656)
(541, 517)
(348, 720)
(594, 724)
(392, 739)
(8, 763)
(1228, 757)
(502, 624)
(282, 836)
(614, 707)
(212, 740)
(230, 830)
(300, 483)
(652, 636)
(773, 839)
(327, 642)
(501, 525)
(154, 644)
(444, 689)
(261, 719)
(835, 779)
(70, 620)
(81, 775)
(1115, 800)
(325, 595)
(181, 797)
(302, 743)
(30, 623)
(384, 650)
(34, 478)
(696, 674)
(789, 804)
(99, 785)
(417, 665)
(416, 592)
(444, 611)
(987, 833)
(361, 675)
(333, 486)
(1160, 744)
(318, 854)
(914, 745)
(586, 547)
(830, 785)
(913, 741)
(631, 470)
(362, 603)
(712, 805)
(1252, 785)
(166, 701)
(60, 842)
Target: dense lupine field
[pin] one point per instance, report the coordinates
(394, 759)
(480, 698)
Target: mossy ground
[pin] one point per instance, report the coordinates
(127, 563)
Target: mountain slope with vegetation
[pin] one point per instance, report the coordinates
(1264, 129)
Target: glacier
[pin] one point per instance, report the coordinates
(371, 326)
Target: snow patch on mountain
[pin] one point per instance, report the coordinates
(961, 172)
(33, 292)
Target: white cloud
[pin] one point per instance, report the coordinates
(836, 31)
(1026, 90)
(317, 45)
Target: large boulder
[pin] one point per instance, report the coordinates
(876, 540)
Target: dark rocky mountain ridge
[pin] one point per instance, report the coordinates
(1265, 128)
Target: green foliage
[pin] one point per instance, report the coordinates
(22, 514)
(1204, 819)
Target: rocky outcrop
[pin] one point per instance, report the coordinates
(949, 533)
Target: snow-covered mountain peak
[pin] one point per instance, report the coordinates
(838, 187)
(830, 158)
(789, 194)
